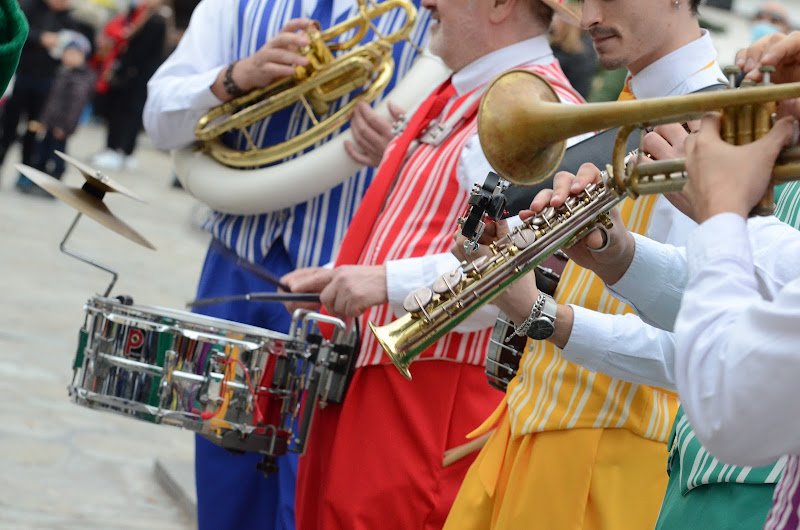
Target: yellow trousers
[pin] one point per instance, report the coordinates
(563, 480)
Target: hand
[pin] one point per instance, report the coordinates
(371, 132)
(48, 40)
(275, 60)
(36, 127)
(355, 288)
(728, 178)
(782, 52)
(665, 142)
(778, 50)
(307, 280)
(493, 231)
(611, 263)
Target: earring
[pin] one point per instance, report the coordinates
(677, 4)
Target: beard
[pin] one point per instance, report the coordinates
(612, 63)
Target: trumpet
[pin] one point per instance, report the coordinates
(324, 80)
(523, 137)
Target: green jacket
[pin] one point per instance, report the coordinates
(13, 32)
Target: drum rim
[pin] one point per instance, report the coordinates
(193, 318)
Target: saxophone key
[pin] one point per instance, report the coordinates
(417, 300)
(447, 282)
(524, 237)
(473, 268)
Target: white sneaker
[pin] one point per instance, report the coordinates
(108, 159)
(130, 163)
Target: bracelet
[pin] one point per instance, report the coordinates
(230, 85)
(536, 312)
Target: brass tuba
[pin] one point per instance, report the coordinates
(522, 131)
(324, 80)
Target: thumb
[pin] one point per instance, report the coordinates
(395, 110)
(781, 135)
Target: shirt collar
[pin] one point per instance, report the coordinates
(531, 51)
(683, 71)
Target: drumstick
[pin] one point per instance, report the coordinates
(252, 267)
(453, 455)
(256, 297)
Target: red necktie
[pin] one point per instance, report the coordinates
(371, 206)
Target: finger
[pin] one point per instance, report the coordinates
(297, 24)
(587, 174)
(286, 41)
(791, 107)
(356, 154)
(709, 126)
(539, 202)
(382, 126)
(781, 135)
(395, 111)
(562, 184)
(659, 147)
(281, 56)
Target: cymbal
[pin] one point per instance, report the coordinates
(84, 201)
(98, 179)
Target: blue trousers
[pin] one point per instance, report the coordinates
(231, 493)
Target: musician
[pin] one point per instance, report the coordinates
(608, 436)
(737, 349)
(376, 461)
(229, 47)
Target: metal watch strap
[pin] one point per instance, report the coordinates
(536, 311)
(544, 325)
(230, 85)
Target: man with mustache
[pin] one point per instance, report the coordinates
(596, 440)
(376, 461)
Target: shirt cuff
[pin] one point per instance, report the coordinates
(585, 345)
(721, 237)
(657, 302)
(405, 275)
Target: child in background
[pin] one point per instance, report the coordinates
(69, 95)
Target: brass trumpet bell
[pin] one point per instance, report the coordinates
(523, 133)
(325, 79)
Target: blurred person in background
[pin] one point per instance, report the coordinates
(132, 47)
(772, 17)
(573, 48)
(70, 93)
(38, 63)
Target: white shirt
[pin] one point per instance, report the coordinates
(657, 302)
(624, 346)
(738, 357)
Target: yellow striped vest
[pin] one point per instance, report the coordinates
(551, 394)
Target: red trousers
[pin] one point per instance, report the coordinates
(375, 462)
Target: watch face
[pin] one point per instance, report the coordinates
(541, 328)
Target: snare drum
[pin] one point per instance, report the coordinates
(241, 386)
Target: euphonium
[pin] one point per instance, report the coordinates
(523, 131)
(324, 80)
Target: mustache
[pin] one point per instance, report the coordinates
(602, 33)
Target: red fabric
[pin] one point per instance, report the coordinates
(364, 220)
(118, 32)
(376, 460)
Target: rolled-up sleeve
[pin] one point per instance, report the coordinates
(179, 93)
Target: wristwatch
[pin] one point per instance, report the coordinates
(543, 324)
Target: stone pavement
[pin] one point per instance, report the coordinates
(65, 466)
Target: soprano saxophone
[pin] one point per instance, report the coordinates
(538, 129)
